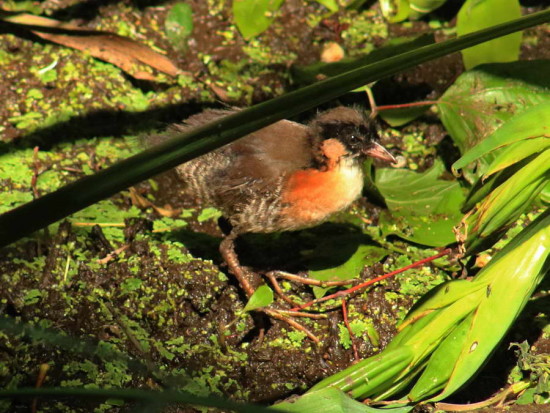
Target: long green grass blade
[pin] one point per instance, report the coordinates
(483, 188)
(332, 400)
(357, 375)
(510, 199)
(439, 297)
(517, 152)
(73, 197)
(137, 395)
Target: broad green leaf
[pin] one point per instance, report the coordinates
(484, 186)
(332, 5)
(440, 297)
(332, 400)
(424, 335)
(422, 207)
(545, 194)
(179, 25)
(501, 210)
(252, 17)
(410, 330)
(442, 362)
(369, 372)
(532, 123)
(458, 337)
(364, 255)
(484, 98)
(479, 14)
(262, 297)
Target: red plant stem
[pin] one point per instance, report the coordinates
(407, 105)
(342, 293)
(346, 323)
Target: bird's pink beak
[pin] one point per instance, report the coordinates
(375, 150)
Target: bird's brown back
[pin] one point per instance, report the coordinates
(246, 176)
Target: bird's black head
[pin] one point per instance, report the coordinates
(350, 127)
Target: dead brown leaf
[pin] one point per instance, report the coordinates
(142, 202)
(118, 50)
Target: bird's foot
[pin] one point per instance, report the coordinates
(287, 317)
(273, 275)
(309, 281)
(249, 282)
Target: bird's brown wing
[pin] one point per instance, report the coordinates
(274, 151)
(252, 166)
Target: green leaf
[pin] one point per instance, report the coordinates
(483, 99)
(479, 14)
(364, 255)
(179, 25)
(442, 362)
(262, 297)
(509, 200)
(422, 207)
(332, 5)
(517, 152)
(332, 400)
(360, 379)
(252, 17)
(532, 123)
(439, 297)
(545, 194)
(513, 277)
(421, 7)
(395, 10)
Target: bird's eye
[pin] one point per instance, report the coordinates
(353, 139)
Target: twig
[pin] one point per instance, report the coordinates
(278, 289)
(310, 281)
(305, 315)
(497, 399)
(342, 293)
(113, 254)
(351, 335)
(407, 105)
(279, 316)
(42, 372)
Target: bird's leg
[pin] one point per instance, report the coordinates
(309, 281)
(227, 250)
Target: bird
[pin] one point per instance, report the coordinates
(287, 176)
